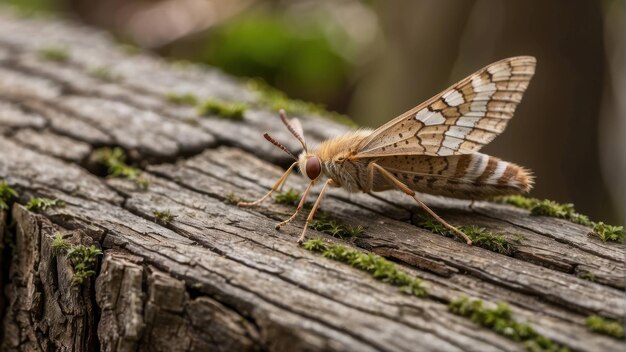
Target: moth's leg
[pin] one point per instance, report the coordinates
(312, 213)
(401, 186)
(280, 181)
(300, 205)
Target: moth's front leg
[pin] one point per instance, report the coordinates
(312, 213)
(300, 206)
(278, 183)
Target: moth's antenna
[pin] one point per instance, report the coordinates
(290, 127)
(276, 143)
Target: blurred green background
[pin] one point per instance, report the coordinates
(373, 60)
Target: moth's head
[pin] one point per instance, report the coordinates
(308, 163)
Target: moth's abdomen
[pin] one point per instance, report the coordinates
(470, 176)
(487, 175)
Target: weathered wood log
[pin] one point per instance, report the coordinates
(217, 277)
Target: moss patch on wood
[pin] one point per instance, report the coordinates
(566, 211)
(275, 100)
(608, 232)
(54, 53)
(605, 326)
(115, 161)
(163, 217)
(480, 236)
(7, 194)
(324, 223)
(289, 197)
(105, 74)
(37, 204)
(59, 244)
(232, 198)
(186, 99)
(379, 267)
(500, 320)
(129, 48)
(546, 207)
(83, 258)
(223, 109)
(589, 276)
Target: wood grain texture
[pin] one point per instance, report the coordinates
(222, 278)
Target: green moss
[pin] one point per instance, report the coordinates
(37, 204)
(142, 183)
(163, 217)
(608, 232)
(565, 211)
(59, 244)
(486, 239)
(518, 201)
(546, 207)
(105, 74)
(289, 196)
(501, 321)
(377, 266)
(232, 198)
(182, 64)
(480, 236)
(223, 109)
(355, 231)
(434, 226)
(182, 99)
(129, 48)
(54, 53)
(83, 260)
(315, 245)
(32, 8)
(324, 223)
(7, 194)
(588, 276)
(115, 161)
(605, 326)
(275, 100)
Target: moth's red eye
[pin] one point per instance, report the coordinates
(313, 167)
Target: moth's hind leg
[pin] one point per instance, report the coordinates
(401, 186)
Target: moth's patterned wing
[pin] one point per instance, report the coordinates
(469, 176)
(459, 120)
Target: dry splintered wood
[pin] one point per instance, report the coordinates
(218, 277)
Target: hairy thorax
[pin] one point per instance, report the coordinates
(338, 164)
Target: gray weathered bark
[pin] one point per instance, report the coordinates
(219, 277)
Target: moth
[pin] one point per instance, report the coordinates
(432, 148)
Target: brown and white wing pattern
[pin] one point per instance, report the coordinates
(459, 120)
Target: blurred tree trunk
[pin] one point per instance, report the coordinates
(555, 132)
(419, 52)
